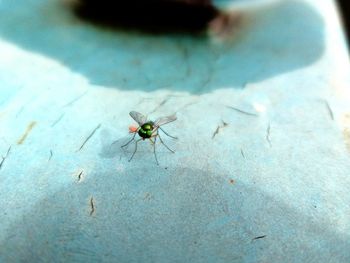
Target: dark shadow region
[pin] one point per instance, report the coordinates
(173, 215)
(153, 16)
(284, 37)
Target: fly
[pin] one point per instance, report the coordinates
(149, 130)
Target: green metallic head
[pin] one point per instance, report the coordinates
(145, 130)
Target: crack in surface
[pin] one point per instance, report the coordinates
(5, 157)
(58, 120)
(268, 131)
(75, 99)
(92, 205)
(51, 154)
(89, 137)
(329, 109)
(242, 153)
(258, 237)
(242, 111)
(224, 124)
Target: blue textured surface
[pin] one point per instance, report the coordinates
(272, 186)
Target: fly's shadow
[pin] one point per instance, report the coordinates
(133, 146)
(147, 130)
(111, 147)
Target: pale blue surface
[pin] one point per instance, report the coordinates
(283, 173)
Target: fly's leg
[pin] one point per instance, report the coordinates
(133, 137)
(132, 156)
(160, 138)
(167, 134)
(154, 148)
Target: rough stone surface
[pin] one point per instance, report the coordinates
(261, 171)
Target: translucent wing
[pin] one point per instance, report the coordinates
(165, 120)
(138, 117)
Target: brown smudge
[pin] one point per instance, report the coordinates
(26, 133)
(346, 134)
(226, 24)
(232, 181)
(346, 131)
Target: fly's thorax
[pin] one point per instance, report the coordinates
(146, 130)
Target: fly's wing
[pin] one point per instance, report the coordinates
(165, 120)
(138, 117)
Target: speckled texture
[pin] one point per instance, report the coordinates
(261, 171)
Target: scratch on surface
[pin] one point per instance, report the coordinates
(92, 206)
(4, 157)
(89, 137)
(80, 175)
(224, 124)
(268, 131)
(159, 105)
(75, 99)
(51, 154)
(82, 253)
(147, 196)
(258, 237)
(329, 109)
(216, 132)
(57, 121)
(186, 105)
(26, 133)
(242, 153)
(144, 99)
(242, 111)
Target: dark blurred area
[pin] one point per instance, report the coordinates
(148, 15)
(159, 16)
(344, 7)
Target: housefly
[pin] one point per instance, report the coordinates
(148, 129)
